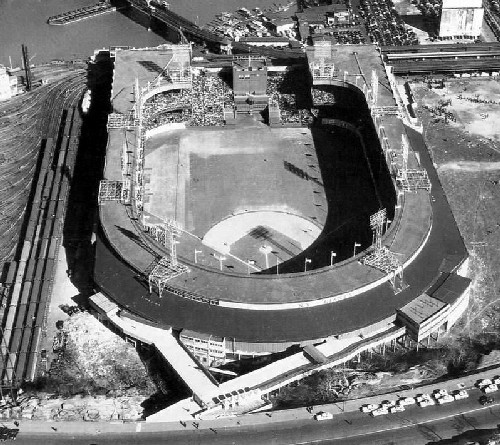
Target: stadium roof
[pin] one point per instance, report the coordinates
(449, 287)
(123, 256)
(422, 308)
(128, 287)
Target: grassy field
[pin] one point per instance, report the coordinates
(200, 177)
(466, 152)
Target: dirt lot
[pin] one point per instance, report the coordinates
(461, 129)
(95, 375)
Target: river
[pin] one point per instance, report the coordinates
(25, 21)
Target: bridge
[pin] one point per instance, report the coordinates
(187, 30)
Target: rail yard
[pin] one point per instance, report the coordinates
(39, 141)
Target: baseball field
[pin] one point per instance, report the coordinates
(251, 188)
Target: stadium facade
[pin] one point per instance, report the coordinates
(250, 214)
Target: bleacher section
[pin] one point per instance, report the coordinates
(200, 103)
(28, 282)
(289, 99)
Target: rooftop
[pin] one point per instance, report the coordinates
(244, 63)
(143, 65)
(449, 287)
(422, 308)
(462, 4)
(358, 61)
(318, 13)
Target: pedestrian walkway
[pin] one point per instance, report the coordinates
(187, 367)
(244, 393)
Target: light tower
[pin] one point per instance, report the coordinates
(405, 145)
(27, 68)
(382, 258)
(167, 267)
(173, 230)
(374, 87)
(377, 223)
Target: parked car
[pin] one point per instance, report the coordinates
(368, 408)
(486, 400)
(490, 388)
(387, 404)
(440, 393)
(379, 412)
(323, 415)
(484, 382)
(460, 394)
(426, 402)
(422, 397)
(406, 401)
(396, 409)
(446, 399)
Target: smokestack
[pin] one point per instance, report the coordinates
(27, 69)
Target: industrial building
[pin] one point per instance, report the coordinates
(461, 19)
(8, 84)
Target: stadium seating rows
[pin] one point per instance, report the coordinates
(202, 105)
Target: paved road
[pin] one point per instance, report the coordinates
(416, 426)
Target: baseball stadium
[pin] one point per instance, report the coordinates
(250, 206)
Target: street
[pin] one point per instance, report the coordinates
(414, 426)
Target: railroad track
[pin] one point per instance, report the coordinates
(24, 124)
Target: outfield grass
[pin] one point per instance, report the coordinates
(201, 176)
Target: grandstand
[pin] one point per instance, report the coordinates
(235, 226)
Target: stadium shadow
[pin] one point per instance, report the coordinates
(355, 178)
(81, 209)
(170, 388)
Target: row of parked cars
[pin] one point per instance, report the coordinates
(489, 385)
(440, 396)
